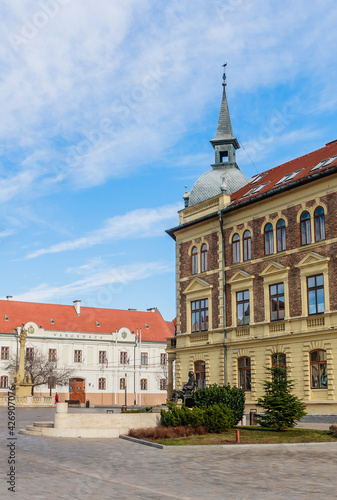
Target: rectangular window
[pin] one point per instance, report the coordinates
(4, 353)
(244, 373)
(123, 359)
(29, 353)
(315, 294)
(78, 356)
(199, 309)
(143, 358)
(102, 357)
(276, 293)
(143, 384)
(122, 384)
(101, 384)
(163, 384)
(4, 382)
(52, 355)
(163, 359)
(242, 308)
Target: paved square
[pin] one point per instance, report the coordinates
(55, 468)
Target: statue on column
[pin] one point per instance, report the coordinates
(23, 385)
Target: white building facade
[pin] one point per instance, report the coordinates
(118, 357)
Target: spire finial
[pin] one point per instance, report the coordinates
(224, 75)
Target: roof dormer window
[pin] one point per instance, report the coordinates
(324, 163)
(288, 177)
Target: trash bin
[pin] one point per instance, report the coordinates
(87, 403)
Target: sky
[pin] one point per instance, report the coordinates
(107, 109)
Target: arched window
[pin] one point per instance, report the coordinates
(143, 384)
(281, 235)
(319, 224)
(268, 240)
(247, 245)
(4, 382)
(244, 373)
(200, 374)
(279, 359)
(101, 384)
(305, 228)
(319, 378)
(236, 248)
(204, 258)
(194, 260)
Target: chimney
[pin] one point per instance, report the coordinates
(9, 297)
(77, 305)
(152, 309)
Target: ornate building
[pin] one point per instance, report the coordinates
(256, 268)
(115, 355)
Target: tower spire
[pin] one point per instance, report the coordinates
(224, 142)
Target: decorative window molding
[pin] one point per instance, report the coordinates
(313, 264)
(198, 289)
(275, 273)
(239, 282)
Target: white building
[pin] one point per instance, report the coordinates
(116, 354)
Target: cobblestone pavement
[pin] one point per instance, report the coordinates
(55, 468)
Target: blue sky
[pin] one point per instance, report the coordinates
(107, 111)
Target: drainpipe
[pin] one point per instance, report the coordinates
(224, 295)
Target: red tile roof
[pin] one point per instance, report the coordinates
(154, 327)
(270, 180)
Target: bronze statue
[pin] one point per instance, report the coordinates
(186, 393)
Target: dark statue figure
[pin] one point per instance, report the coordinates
(186, 393)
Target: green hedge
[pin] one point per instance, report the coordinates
(230, 397)
(216, 418)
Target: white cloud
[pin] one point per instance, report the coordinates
(107, 282)
(151, 72)
(6, 233)
(141, 223)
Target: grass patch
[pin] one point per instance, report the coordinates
(248, 435)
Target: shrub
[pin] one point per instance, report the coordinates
(231, 397)
(166, 432)
(218, 418)
(282, 409)
(175, 416)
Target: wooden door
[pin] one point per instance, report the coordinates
(77, 390)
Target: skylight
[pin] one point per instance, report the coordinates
(257, 178)
(288, 177)
(255, 190)
(324, 163)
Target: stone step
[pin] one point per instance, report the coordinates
(44, 424)
(28, 432)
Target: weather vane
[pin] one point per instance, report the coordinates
(224, 75)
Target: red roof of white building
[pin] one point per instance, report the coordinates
(61, 318)
(302, 169)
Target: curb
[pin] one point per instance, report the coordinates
(141, 441)
(223, 446)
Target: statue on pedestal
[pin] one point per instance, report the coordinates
(186, 393)
(23, 384)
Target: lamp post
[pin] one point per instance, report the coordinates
(125, 401)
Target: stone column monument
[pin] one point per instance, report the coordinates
(23, 385)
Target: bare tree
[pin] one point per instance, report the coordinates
(42, 371)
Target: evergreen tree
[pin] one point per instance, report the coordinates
(282, 409)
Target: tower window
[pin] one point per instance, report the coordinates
(224, 156)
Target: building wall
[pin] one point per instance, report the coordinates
(91, 370)
(296, 335)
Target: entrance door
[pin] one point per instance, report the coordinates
(77, 390)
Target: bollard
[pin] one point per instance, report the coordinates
(238, 436)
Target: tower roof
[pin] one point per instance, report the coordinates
(224, 131)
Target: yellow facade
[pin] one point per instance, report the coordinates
(300, 333)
